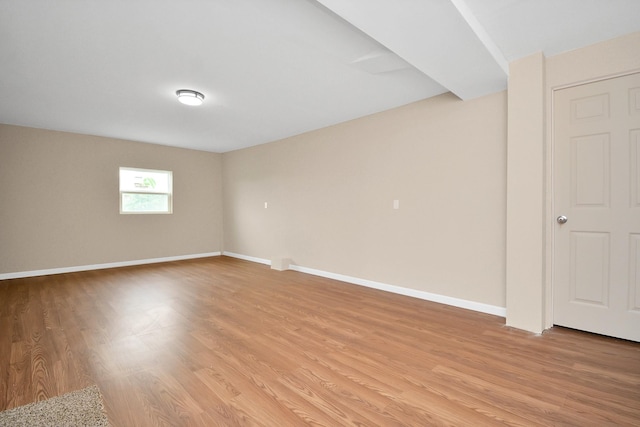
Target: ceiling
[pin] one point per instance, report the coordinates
(269, 69)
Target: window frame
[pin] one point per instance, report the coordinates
(169, 194)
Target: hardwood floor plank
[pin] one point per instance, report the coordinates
(125, 403)
(225, 415)
(500, 393)
(19, 386)
(225, 342)
(324, 400)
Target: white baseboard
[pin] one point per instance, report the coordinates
(442, 299)
(22, 274)
(247, 258)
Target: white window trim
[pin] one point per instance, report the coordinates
(169, 194)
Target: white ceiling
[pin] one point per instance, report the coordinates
(269, 69)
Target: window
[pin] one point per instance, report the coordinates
(145, 191)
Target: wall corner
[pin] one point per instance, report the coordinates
(526, 194)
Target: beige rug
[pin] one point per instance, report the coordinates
(79, 408)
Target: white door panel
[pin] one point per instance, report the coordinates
(596, 281)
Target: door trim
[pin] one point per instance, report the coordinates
(550, 187)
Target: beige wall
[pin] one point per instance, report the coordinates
(60, 201)
(330, 196)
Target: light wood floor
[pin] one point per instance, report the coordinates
(221, 341)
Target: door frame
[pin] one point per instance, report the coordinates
(550, 228)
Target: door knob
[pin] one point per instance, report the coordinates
(562, 219)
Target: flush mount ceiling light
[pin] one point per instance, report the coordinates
(190, 97)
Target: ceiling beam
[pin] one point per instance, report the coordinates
(441, 38)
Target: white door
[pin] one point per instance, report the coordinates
(596, 155)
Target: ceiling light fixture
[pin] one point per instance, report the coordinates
(190, 97)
